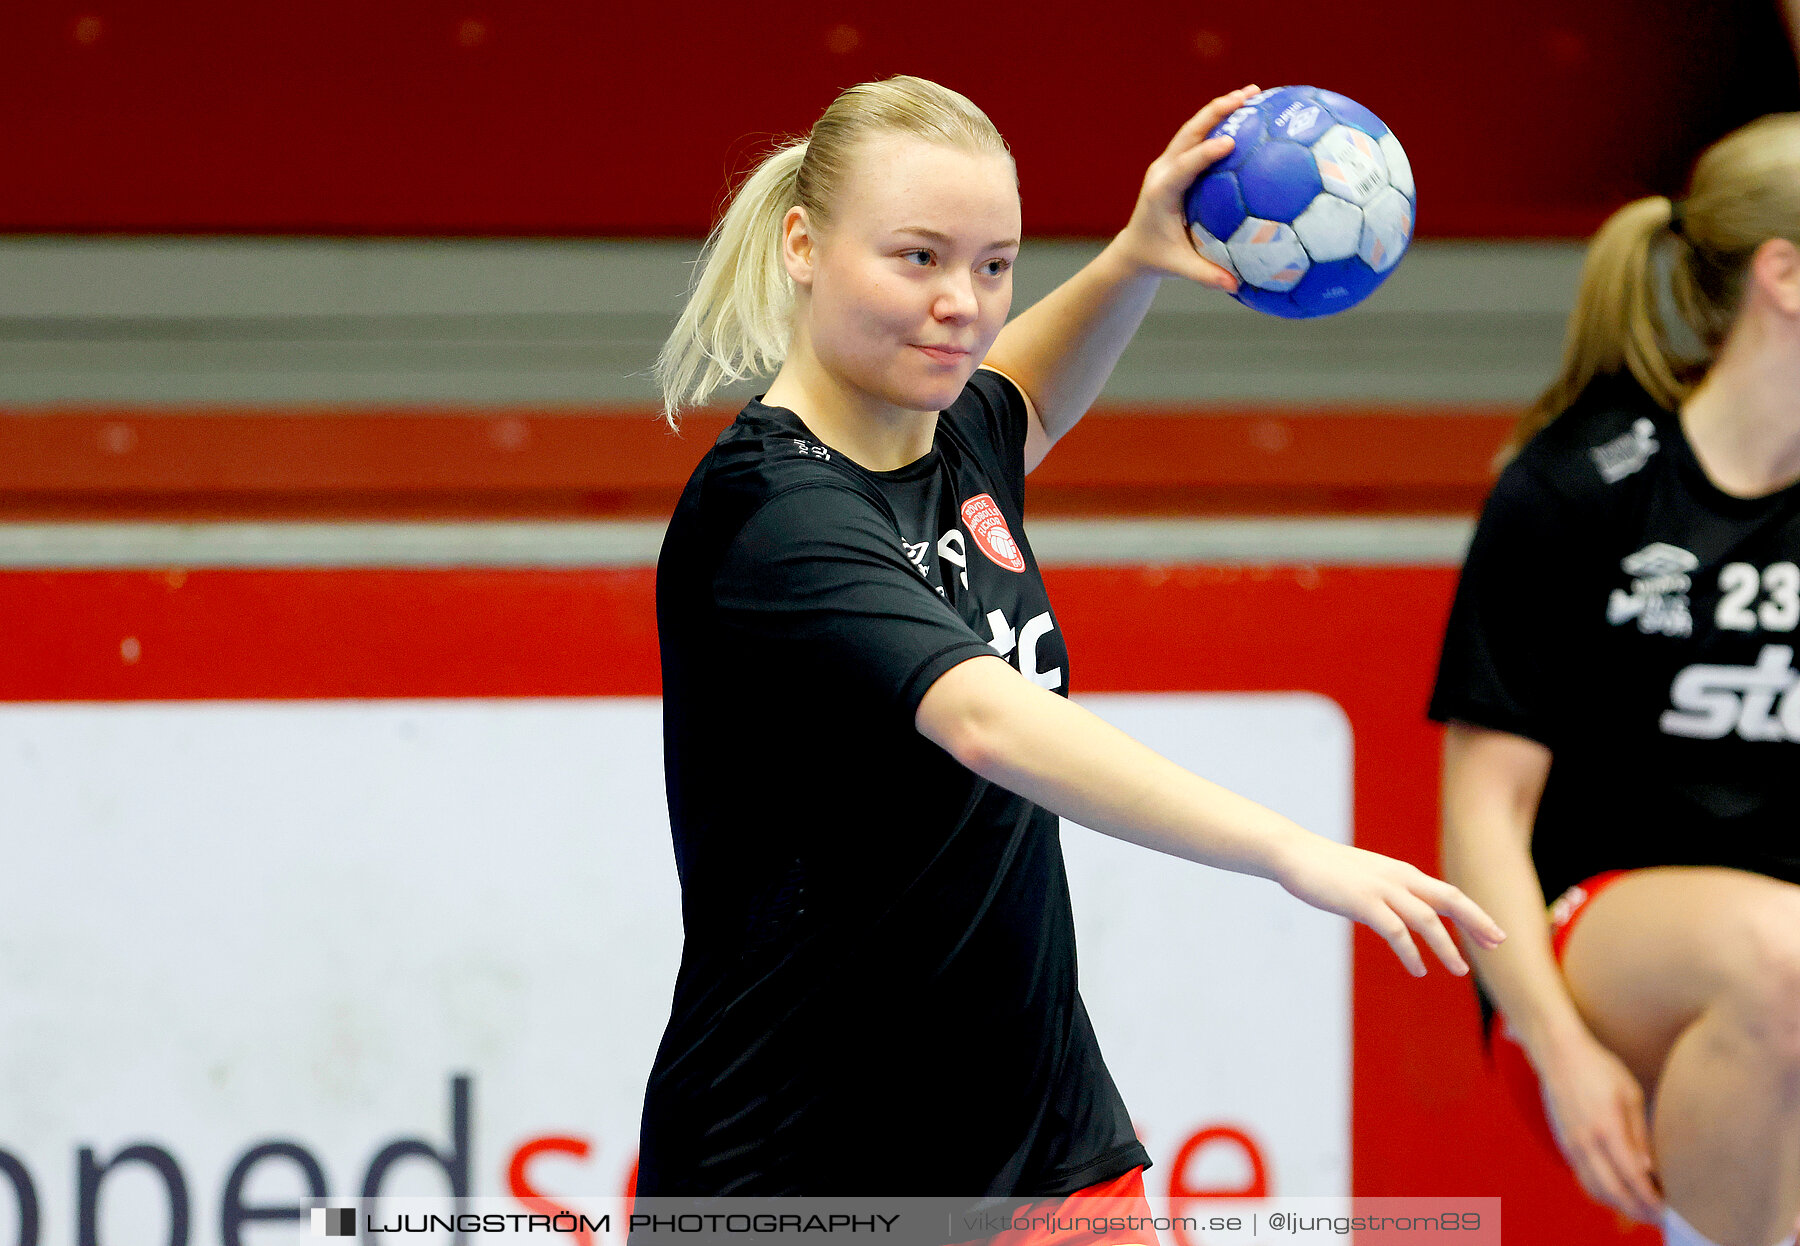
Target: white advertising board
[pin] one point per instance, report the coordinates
(393, 938)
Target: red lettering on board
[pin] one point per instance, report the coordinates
(518, 1184)
(1182, 1191)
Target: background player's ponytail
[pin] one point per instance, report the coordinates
(739, 311)
(1745, 190)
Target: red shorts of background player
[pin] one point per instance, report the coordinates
(1510, 1060)
(1100, 1215)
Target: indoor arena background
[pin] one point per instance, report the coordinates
(331, 485)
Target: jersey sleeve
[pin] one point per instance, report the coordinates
(1505, 656)
(817, 578)
(992, 413)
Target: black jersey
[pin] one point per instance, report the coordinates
(877, 992)
(1619, 608)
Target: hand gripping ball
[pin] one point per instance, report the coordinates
(1312, 209)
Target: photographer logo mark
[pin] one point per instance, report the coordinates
(334, 1222)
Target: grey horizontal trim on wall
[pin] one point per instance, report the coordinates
(1313, 542)
(460, 323)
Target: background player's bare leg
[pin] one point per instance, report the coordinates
(1726, 1105)
(1693, 977)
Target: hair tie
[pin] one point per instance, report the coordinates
(1677, 222)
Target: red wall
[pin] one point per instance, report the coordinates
(560, 117)
(335, 463)
(1428, 1118)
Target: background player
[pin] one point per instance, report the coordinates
(1619, 682)
(867, 733)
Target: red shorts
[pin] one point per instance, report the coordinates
(1100, 1215)
(1509, 1058)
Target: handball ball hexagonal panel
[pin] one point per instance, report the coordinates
(1278, 180)
(1246, 129)
(1332, 285)
(1329, 228)
(1269, 302)
(1398, 166)
(1387, 228)
(1302, 119)
(1214, 203)
(1351, 165)
(1268, 254)
(1314, 202)
(1213, 249)
(1350, 112)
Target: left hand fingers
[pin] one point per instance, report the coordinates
(1392, 927)
(1452, 903)
(1423, 919)
(1201, 123)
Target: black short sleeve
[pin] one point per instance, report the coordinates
(817, 578)
(993, 418)
(1507, 640)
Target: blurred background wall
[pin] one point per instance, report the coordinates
(324, 338)
(470, 209)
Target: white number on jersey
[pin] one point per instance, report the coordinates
(1781, 609)
(1738, 585)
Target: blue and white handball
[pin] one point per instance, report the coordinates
(1312, 209)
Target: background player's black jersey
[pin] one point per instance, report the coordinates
(1619, 608)
(877, 990)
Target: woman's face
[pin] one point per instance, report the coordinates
(911, 279)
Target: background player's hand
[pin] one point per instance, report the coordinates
(1596, 1112)
(1156, 239)
(1390, 897)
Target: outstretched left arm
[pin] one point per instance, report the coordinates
(1061, 350)
(1058, 755)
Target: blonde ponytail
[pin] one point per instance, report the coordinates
(739, 314)
(1616, 323)
(1745, 190)
(736, 321)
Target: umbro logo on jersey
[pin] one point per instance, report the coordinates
(1711, 702)
(1658, 597)
(1627, 453)
(981, 515)
(915, 554)
(1659, 559)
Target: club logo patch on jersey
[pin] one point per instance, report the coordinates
(1627, 453)
(1658, 597)
(981, 515)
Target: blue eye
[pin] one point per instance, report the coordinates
(994, 268)
(914, 256)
